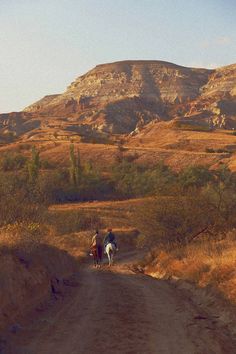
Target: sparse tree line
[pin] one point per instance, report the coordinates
(202, 206)
(79, 182)
(196, 202)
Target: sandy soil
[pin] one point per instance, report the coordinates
(114, 310)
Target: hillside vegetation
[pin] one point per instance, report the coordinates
(186, 219)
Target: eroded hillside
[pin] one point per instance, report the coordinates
(123, 96)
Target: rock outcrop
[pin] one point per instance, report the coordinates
(123, 96)
(215, 106)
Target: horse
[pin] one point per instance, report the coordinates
(110, 251)
(97, 255)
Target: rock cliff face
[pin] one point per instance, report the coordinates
(123, 96)
(215, 106)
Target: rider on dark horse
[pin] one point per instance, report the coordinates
(110, 238)
(96, 245)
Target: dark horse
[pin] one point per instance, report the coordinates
(97, 255)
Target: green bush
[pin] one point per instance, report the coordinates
(131, 180)
(8, 137)
(195, 176)
(222, 151)
(47, 165)
(12, 162)
(33, 166)
(24, 146)
(19, 202)
(97, 140)
(131, 157)
(210, 150)
(207, 211)
(56, 186)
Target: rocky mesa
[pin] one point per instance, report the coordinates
(121, 97)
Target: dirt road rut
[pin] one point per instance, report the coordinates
(115, 311)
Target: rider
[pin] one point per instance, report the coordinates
(97, 243)
(110, 238)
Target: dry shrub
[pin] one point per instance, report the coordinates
(34, 245)
(221, 273)
(206, 263)
(21, 239)
(66, 222)
(74, 243)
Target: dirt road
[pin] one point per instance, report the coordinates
(115, 311)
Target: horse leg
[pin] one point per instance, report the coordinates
(95, 259)
(99, 256)
(112, 259)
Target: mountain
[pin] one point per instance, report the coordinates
(122, 97)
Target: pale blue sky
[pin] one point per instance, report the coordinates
(46, 44)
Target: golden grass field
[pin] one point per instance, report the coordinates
(155, 142)
(30, 273)
(204, 262)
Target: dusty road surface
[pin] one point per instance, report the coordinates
(114, 310)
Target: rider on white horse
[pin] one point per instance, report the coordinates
(110, 246)
(110, 238)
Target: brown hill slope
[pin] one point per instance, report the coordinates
(116, 97)
(163, 112)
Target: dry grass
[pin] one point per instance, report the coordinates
(70, 226)
(161, 135)
(34, 256)
(156, 142)
(113, 214)
(179, 148)
(21, 238)
(99, 154)
(205, 263)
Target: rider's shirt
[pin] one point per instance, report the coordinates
(96, 240)
(109, 238)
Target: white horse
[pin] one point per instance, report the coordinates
(110, 251)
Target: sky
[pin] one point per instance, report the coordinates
(47, 44)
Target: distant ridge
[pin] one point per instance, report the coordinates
(124, 96)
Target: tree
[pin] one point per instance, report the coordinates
(209, 211)
(11, 162)
(161, 179)
(133, 180)
(18, 203)
(195, 176)
(33, 166)
(75, 167)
